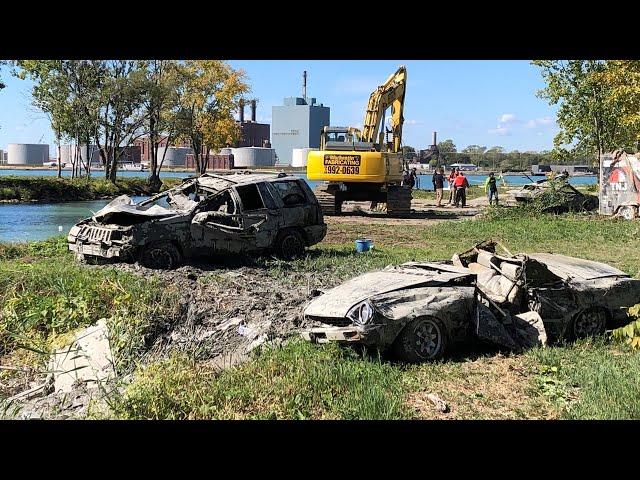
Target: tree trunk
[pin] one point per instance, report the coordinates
(59, 154)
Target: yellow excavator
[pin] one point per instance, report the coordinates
(365, 165)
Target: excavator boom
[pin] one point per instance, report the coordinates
(389, 94)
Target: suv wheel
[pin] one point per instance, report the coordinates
(290, 244)
(163, 256)
(421, 339)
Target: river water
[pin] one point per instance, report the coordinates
(24, 222)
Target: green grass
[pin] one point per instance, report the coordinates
(50, 189)
(298, 381)
(44, 295)
(590, 380)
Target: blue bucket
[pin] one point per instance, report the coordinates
(364, 245)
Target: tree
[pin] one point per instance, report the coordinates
(160, 104)
(209, 91)
(588, 120)
(447, 150)
(51, 94)
(121, 118)
(493, 155)
(622, 78)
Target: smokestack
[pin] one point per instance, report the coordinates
(435, 134)
(241, 111)
(304, 84)
(253, 110)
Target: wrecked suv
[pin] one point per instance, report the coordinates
(231, 213)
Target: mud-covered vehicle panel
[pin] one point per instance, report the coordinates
(419, 309)
(212, 214)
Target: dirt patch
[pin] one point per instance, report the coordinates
(494, 387)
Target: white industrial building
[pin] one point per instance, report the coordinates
(28, 154)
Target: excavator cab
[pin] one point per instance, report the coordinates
(343, 138)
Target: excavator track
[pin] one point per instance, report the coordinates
(398, 201)
(327, 201)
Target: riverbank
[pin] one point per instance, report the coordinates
(173, 350)
(54, 190)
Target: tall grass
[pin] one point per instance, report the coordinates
(49, 189)
(590, 380)
(297, 381)
(44, 298)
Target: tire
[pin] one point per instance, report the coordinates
(421, 339)
(290, 245)
(591, 322)
(627, 212)
(161, 256)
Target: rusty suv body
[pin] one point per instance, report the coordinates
(233, 213)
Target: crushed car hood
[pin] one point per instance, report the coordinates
(125, 204)
(570, 268)
(339, 300)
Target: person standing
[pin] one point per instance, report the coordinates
(438, 185)
(491, 188)
(414, 178)
(461, 184)
(451, 180)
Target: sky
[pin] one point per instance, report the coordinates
(469, 101)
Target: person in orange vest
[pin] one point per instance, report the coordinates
(461, 184)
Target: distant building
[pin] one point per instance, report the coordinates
(2, 158)
(253, 134)
(297, 124)
(464, 167)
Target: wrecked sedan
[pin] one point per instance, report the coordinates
(229, 213)
(419, 309)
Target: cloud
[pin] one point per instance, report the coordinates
(539, 122)
(500, 130)
(507, 118)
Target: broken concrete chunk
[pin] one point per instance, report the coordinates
(440, 404)
(87, 360)
(232, 322)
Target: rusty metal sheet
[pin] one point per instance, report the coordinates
(570, 267)
(339, 300)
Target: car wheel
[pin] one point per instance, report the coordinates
(163, 256)
(589, 323)
(290, 244)
(628, 213)
(422, 339)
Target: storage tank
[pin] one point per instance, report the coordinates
(175, 156)
(68, 153)
(299, 156)
(34, 154)
(251, 157)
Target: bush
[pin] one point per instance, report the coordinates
(630, 333)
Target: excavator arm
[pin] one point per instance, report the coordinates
(389, 94)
